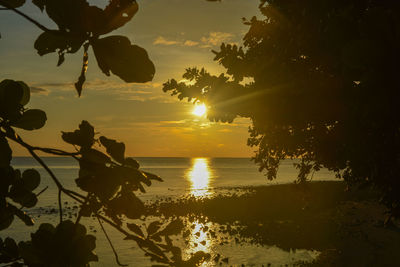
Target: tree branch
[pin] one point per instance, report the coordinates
(13, 136)
(60, 205)
(40, 26)
(111, 245)
(10, 133)
(55, 151)
(78, 218)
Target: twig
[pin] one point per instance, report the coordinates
(40, 26)
(38, 194)
(60, 205)
(74, 198)
(117, 227)
(72, 194)
(136, 238)
(44, 189)
(12, 264)
(111, 245)
(13, 136)
(19, 140)
(54, 151)
(78, 218)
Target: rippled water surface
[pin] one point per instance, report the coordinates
(198, 177)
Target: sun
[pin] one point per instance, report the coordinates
(199, 110)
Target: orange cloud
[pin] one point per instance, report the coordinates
(162, 41)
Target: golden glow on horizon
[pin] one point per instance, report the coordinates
(199, 176)
(199, 110)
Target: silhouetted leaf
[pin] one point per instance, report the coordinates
(95, 156)
(128, 204)
(115, 149)
(8, 176)
(26, 93)
(10, 248)
(134, 176)
(32, 119)
(5, 153)
(129, 62)
(197, 258)
(153, 227)
(13, 3)
(68, 14)
(131, 162)
(31, 179)
(21, 195)
(151, 176)
(66, 245)
(52, 41)
(6, 217)
(82, 77)
(173, 228)
(117, 14)
(83, 137)
(24, 217)
(11, 94)
(135, 228)
(39, 3)
(101, 182)
(61, 58)
(160, 256)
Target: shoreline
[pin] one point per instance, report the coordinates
(346, 226)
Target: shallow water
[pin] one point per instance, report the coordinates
(199, 177)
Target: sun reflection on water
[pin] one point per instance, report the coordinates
(200, 240)
(200, 175)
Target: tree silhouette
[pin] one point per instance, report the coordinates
(319, 81)
(109, 179)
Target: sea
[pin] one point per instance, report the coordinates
(198, 177)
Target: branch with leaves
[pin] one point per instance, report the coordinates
(110, 181)
(82, 25)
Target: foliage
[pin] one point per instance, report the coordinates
(319, 81)
(67, 244)
(110, 179)
(82, 25)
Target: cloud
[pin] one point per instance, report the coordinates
(210, 40)
(225, 131)
(216, 38)
(39, 90)
(173, 122)
(190, 43)
(119, 90)
(62, 86)
(162, 41)
(56, 84)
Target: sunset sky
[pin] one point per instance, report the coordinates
(177, 34)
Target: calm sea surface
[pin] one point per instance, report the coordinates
(182, 176)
